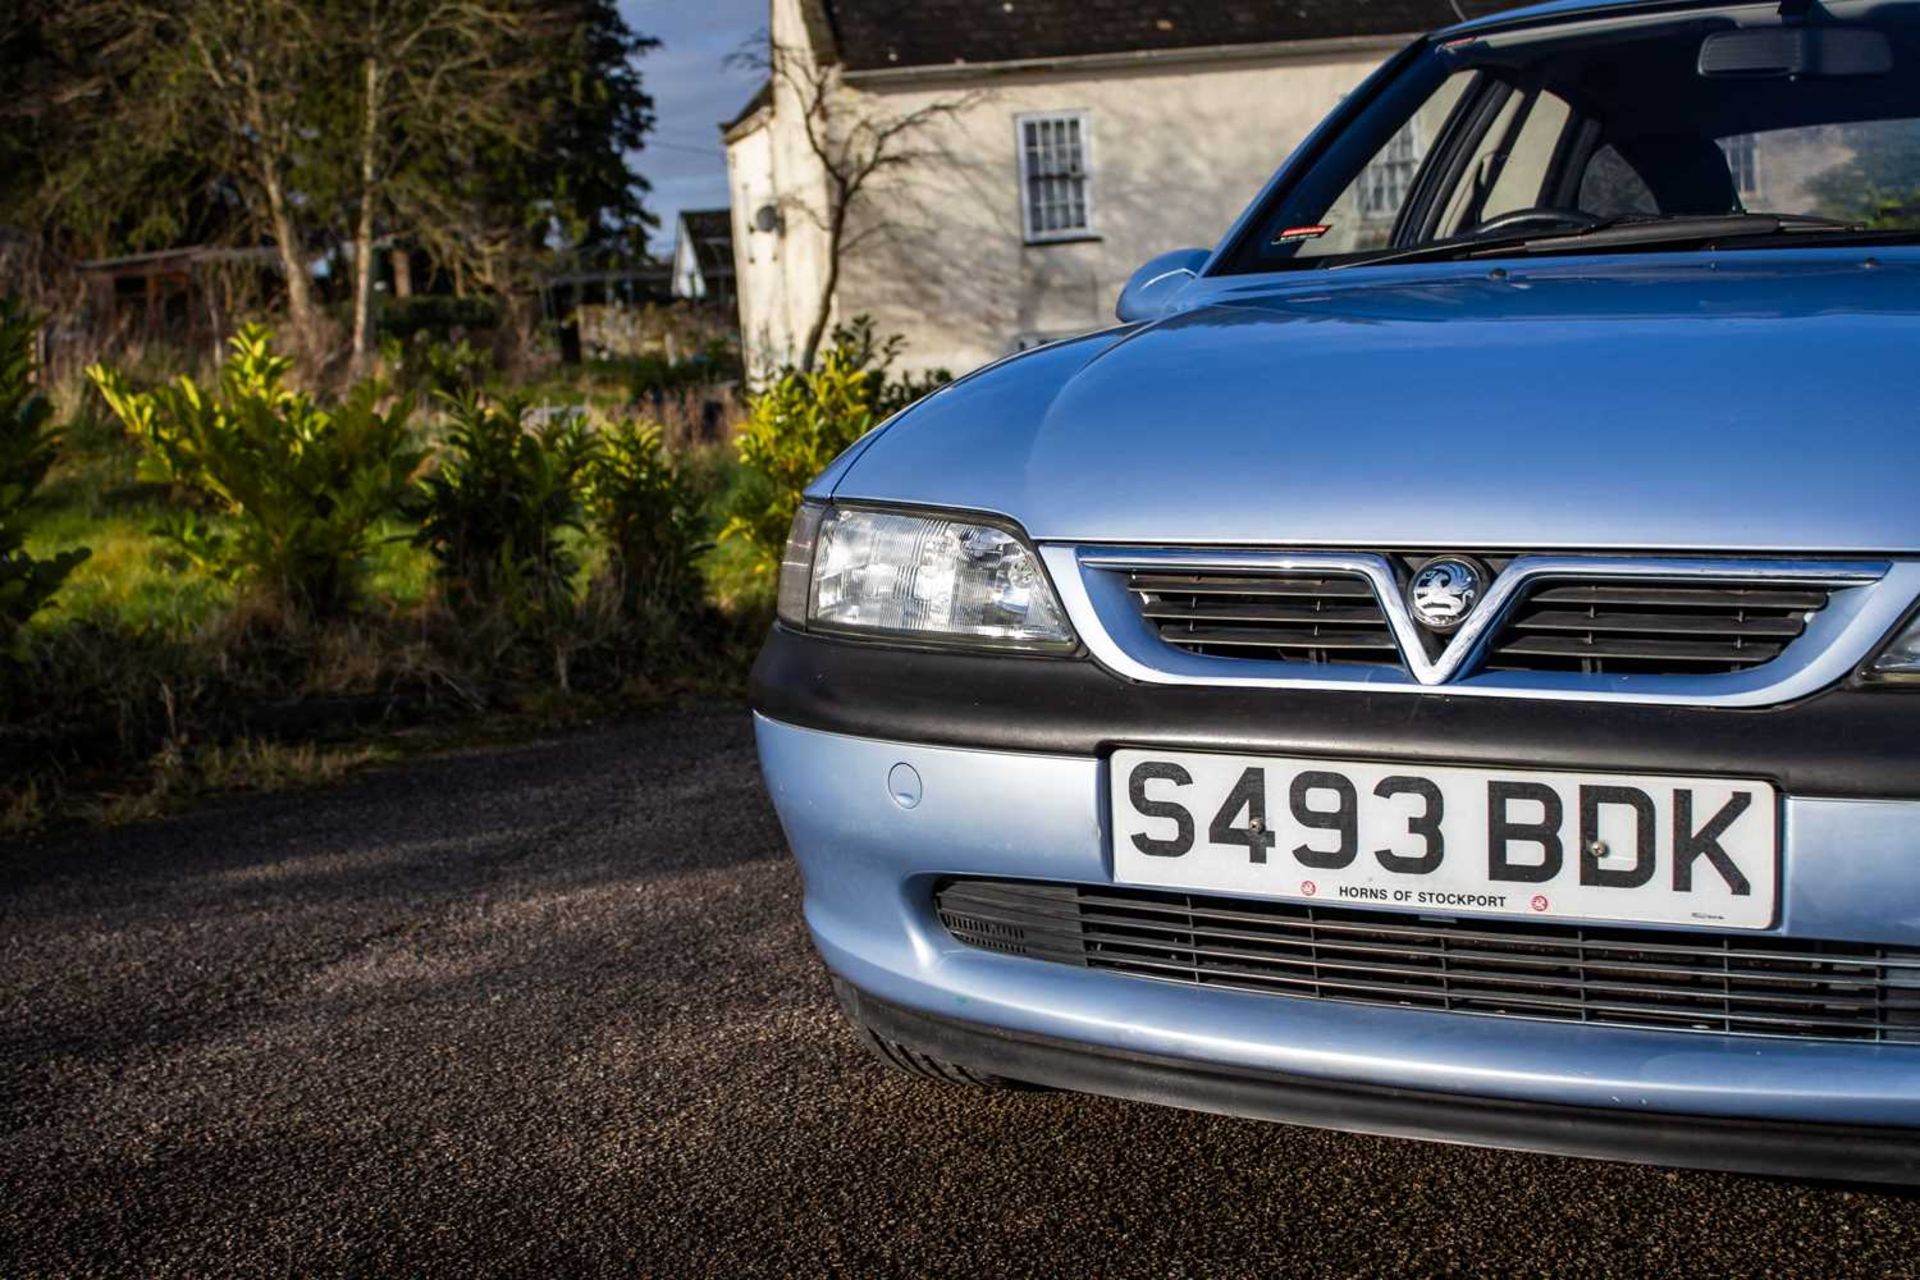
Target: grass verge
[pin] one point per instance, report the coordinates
(151, 684)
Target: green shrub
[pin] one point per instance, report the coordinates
(294, 490)
(423, 365)
(649, 515)
(862, 347)
(494, 512)
(26, 451)
(803, 421)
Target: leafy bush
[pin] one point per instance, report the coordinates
(494, 512)
(422, 364)
(651, 519)
(862, 347)
(803, 421)
(301, 487)
(26, 452)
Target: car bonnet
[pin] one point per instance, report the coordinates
(1749, 401)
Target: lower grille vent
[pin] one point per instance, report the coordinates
(1724, 983)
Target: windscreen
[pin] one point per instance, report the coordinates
(1663, 130)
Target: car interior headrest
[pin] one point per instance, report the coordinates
(1686, 174)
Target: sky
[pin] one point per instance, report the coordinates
(693, 91)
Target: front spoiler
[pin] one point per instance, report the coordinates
(1786, 1148)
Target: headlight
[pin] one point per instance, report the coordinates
(1899, 662)
(918, 577)
(796, 564)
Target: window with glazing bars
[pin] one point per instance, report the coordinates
(1388, 177)
(1055, 190)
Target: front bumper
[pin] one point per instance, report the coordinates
(870, 865)
(1845, 742)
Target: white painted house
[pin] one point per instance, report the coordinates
(703, 255)
(1085, 136)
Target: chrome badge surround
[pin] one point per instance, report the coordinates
(1444, 591)
(1868, 598)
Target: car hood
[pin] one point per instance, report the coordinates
(1741, 401)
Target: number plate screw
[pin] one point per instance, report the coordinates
(1598, 848)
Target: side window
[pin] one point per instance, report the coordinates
(1056, 195)
(1511, 165)
(1523, 177)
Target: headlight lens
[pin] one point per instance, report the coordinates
(1899, 662)
(924, 577)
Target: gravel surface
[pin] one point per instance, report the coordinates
(550, 1009)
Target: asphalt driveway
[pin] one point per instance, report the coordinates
(550, 1010)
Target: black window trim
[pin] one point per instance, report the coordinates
(1579, 142)
(1467, 115)
(1448, 166)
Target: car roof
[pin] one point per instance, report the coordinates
(1567, 8)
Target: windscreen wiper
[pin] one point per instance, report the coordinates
(1627, 231)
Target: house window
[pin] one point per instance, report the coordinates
(1743, 161)
(1388, 177)
(1056, 193)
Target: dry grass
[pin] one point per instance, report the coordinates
(23, 809)
(179, 777)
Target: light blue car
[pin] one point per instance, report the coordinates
(1446, 664)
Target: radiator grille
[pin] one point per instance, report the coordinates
(1636, 627)
(1293, 618)
(1652, 627)
(1729, 984)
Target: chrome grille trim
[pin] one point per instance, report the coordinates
(1866, 599)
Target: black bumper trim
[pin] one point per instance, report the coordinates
(1782, 1148)
(1844, 742)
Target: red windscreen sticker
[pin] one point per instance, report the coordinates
(1301, 233)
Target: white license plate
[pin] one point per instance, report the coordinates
(1448, 841)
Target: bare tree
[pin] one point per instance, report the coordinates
(433, 77)
(479, 130)
(854, 144)
(246, 62)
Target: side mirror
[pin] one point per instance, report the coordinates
(1156, 284)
